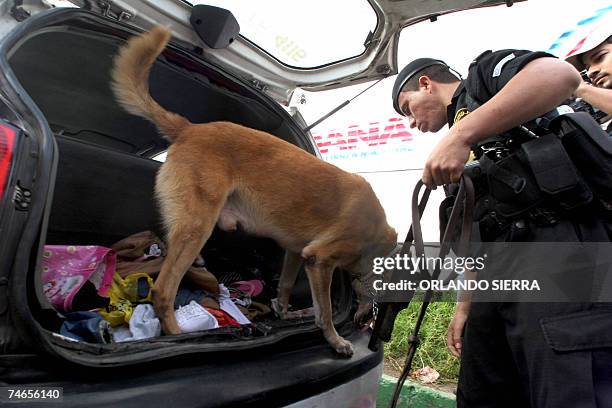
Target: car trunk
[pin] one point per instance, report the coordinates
(104, 188)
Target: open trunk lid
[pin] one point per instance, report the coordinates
(271, 61)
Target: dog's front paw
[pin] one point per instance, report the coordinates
(364, 314)
(281, 308)
(343, 347)
(170, 330)
(170, 326)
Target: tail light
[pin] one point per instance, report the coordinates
(7, 142)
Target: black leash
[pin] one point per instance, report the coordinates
(385, 310)
(465, 195)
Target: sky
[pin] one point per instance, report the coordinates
(457, 39)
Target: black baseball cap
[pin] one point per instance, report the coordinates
(408, 72)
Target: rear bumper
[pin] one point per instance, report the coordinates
(361, 392)
(261, 378)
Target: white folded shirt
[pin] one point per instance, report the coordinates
(193, 317)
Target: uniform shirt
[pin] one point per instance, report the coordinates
(488, 74)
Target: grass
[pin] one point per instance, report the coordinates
(432, 350)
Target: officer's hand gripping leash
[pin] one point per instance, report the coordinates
(465, 195)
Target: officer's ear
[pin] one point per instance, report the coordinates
(425, 83)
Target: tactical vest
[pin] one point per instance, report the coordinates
(541, 174)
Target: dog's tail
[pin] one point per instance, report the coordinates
(130, 81)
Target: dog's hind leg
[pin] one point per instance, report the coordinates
(320, 277)
(289, 273)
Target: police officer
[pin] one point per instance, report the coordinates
(506, 359)
(593, 54)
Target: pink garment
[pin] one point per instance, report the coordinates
(252, 287)
(66, 268)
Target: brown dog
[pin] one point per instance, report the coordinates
(227, 174)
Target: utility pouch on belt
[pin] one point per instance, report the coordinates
(511, 184)
(590, 149)
(555, 173)
(540, 171)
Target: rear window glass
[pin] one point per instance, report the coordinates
(304, 34)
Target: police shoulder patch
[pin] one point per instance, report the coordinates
(460, 114)
(498, 68)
